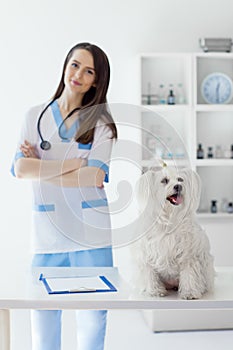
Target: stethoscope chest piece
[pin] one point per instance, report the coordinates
(45, 145)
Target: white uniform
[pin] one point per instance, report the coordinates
(64, 218)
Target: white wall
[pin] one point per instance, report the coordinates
(35, 37)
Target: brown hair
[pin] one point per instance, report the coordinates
(94, 97)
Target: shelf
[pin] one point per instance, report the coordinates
(167, 108)
(188, 107)
(214, 108)
(184, 126)
(214, 162)
(215, 216)
(170, 55)
(149, 163)
(185, 162)
(222, 55)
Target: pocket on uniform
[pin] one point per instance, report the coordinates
(96, 222)
(44, 225)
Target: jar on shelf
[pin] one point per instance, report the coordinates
(213, 207)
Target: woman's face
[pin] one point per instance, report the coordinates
(80, 72)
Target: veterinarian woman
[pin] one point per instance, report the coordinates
(65, 148)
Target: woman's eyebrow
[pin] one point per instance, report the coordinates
(86, 66)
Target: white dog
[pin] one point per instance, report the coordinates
(173, 251)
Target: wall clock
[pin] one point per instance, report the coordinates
(217, 88)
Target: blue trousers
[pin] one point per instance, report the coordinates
(91, 324)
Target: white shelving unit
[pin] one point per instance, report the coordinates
(194, 121)
(187, 125)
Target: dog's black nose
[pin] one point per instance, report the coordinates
(178, 188)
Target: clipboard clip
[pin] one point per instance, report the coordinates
(82, 289)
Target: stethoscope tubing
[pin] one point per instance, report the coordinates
(46, 145)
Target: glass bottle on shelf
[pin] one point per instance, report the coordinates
(210, 153)
(149, 93)
(230, 208)
(224, 205)
(227, 152)
(162, 95)
(200, 152)
(180, 98)
(146, 97)
(218, 152)
(171, 99)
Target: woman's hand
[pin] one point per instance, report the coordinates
(28, 150)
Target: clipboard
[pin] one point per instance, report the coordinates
(77, 284)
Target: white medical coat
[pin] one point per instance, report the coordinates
(65, 218)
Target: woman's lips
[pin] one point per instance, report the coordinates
(75, 82)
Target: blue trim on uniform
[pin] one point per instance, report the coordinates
(56, 113)
(64, 140)
(84, 145)
(44, 207)
(99, 164)
(66, 133)
(17, 156)
(12, 170)
(95, 203)
(82, 258)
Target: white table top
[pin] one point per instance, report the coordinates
(23, 290)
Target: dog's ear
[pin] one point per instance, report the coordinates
(144, 187)
(143, 184)
(194, 182)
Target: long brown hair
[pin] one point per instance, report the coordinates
(95, 98)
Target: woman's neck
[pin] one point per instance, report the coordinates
(67, 102)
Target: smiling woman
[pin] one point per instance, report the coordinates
(79, 75)
(65, 148)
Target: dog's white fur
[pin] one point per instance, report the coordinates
(173, 251)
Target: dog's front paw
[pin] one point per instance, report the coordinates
(189, 295)
(160, 292)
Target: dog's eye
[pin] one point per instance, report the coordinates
(180, 179)
(165, 180)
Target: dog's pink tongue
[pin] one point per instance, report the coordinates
(175, 199)
(178, 199)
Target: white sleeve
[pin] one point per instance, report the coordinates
(28, 132)
(101, 149)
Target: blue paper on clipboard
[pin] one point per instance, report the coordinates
(77, 284)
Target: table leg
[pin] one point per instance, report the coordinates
(4, 329)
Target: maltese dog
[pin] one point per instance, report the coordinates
(173, 250)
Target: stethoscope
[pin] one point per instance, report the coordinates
(46, 145)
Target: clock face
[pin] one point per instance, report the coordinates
(217, 88)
